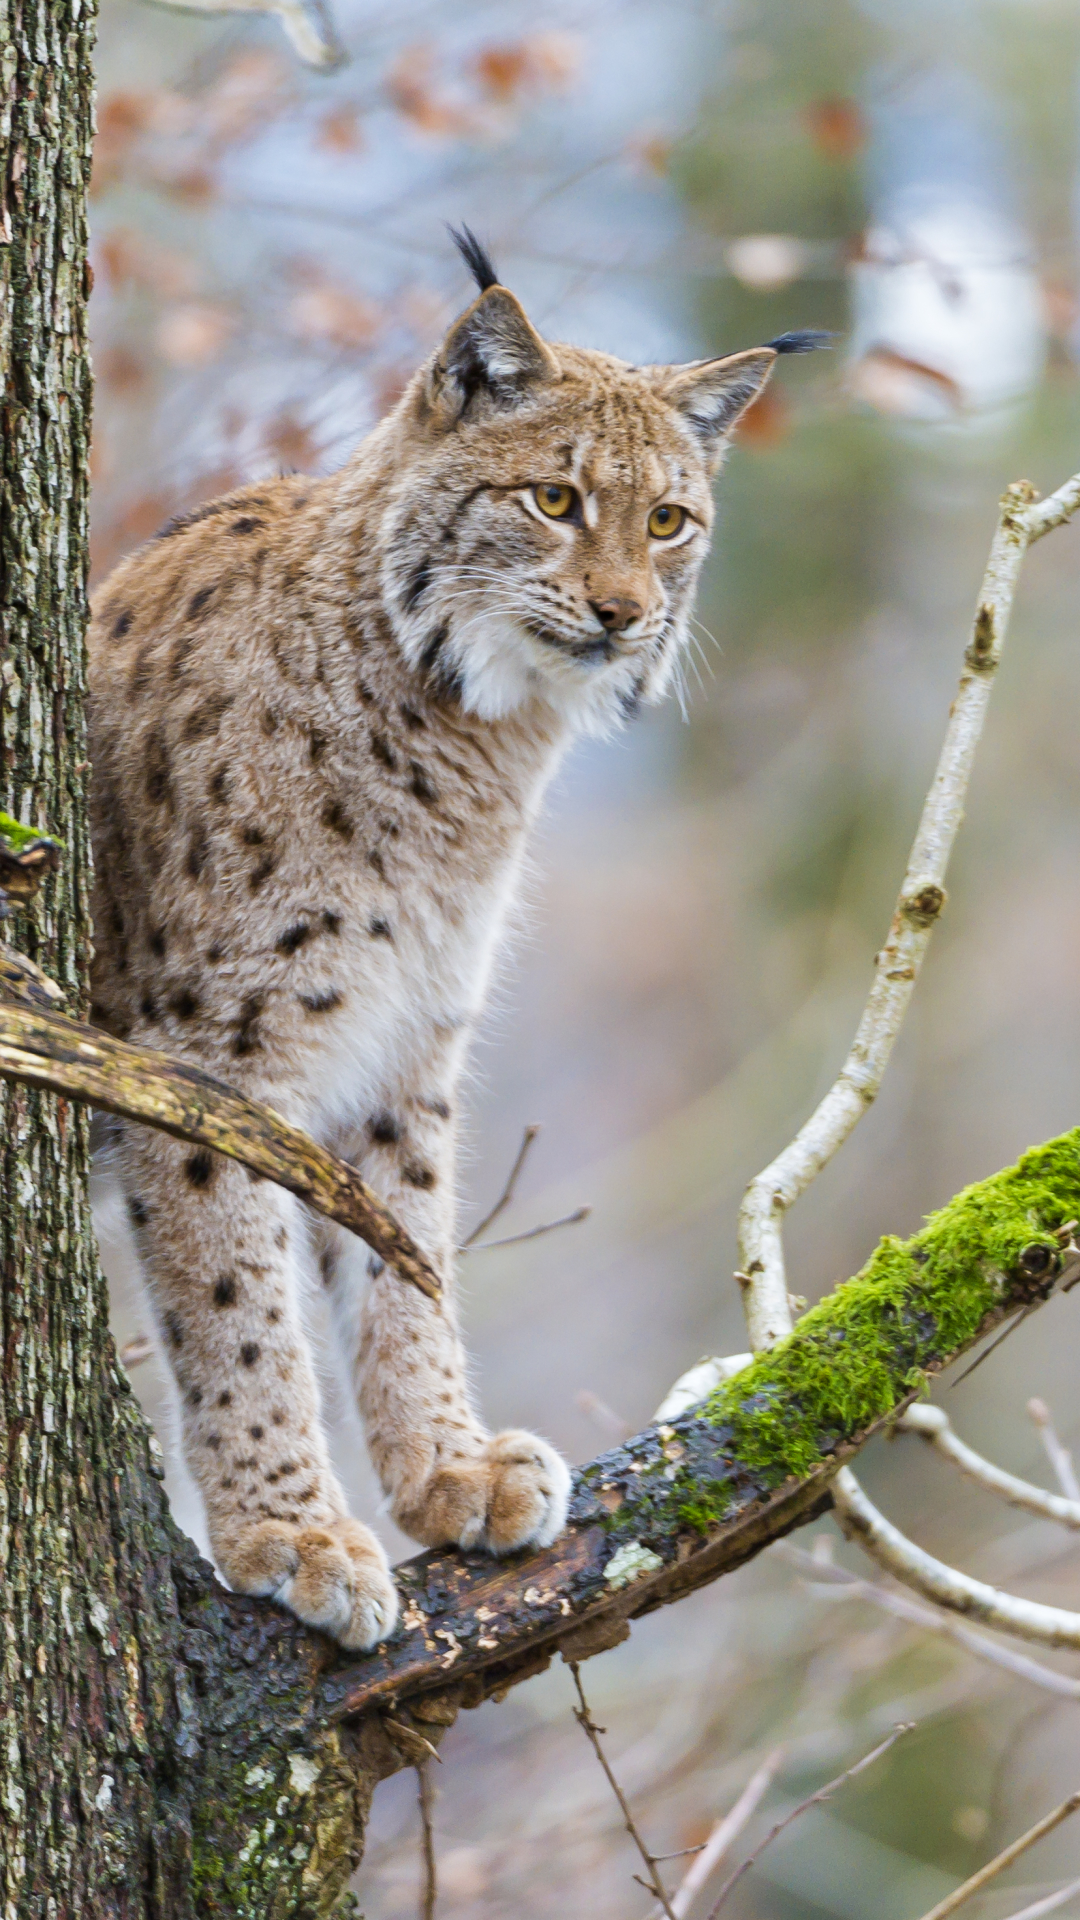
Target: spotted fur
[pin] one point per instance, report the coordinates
(324, 713)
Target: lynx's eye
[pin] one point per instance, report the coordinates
(666, 522)
(555, 502)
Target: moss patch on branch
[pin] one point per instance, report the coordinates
(860, 1352)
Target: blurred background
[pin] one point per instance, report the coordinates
(667, 179)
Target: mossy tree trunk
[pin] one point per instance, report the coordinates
(110, 1627)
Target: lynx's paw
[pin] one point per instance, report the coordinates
(513, 1493)
(335, 1577)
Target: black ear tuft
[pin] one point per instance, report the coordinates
(805, 341)
(476, 256)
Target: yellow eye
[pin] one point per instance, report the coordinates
(556, 502)
(666, 522)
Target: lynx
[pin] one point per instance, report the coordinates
(324, 713)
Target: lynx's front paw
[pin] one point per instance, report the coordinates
(514, 1492)
(335, 1577)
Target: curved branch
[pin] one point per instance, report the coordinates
(49, 1050)
(933, 1425)
(1027, 1619)
(921, 899)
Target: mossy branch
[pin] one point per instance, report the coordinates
(687, 1501)
(49, 1050)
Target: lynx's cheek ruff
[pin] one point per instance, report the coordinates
(324, 715)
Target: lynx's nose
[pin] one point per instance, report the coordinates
(616, 613)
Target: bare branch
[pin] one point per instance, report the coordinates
(529, 1136)
(836, 1583)
(307, 23)
(425, 1796)
(1058, 507)
(592, 1732)
(530, 1233)
(137, 1351)
(1027, 1619)
(812, 1800)
(1002, 1860)
(1058, 1455)
(921, 899)
(603, 1416)
(49, 1050)
(1048, 1904)
(725, 1833)
(933, 1424)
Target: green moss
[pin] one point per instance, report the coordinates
(17, 837)
(859, 1353)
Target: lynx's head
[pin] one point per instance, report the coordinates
(549, 509)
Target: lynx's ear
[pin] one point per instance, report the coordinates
(711, 394)
(493, 352)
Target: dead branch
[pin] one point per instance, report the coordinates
(425, 1796)
(51, 1051)
(1049, 1903)
(934, 1426)
(812, 1800)
(1027, 1619)
(825, 1579)
(1002, 1860)
(592, 1733)
(529, 1233)
(1058, 1455)
(725, 1833)
(530, 1135)
(308, 24)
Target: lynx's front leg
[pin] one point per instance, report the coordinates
(448, 1478)
(219, 1257)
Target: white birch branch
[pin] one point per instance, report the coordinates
(308, 24)
(1049, 1903)
(1027, 1619)
(933, 1425)
(921, 899)
(837, 1583)
(1058, 1455)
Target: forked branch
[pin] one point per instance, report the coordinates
(920, 901)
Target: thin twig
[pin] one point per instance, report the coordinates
(1057, 1453)
(426, 1797)
(507, 1194)
(1049, 1903)
(603, 1416)
(530, 1233)
(84, 1064)
(592, 1732)
(921, 899)
(812, 1800)
(1002, 1860)
(725, 1833)
(308, 25)
(934, 1426)
(136, 1351)
(1027, 1619)
(824, 1578)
